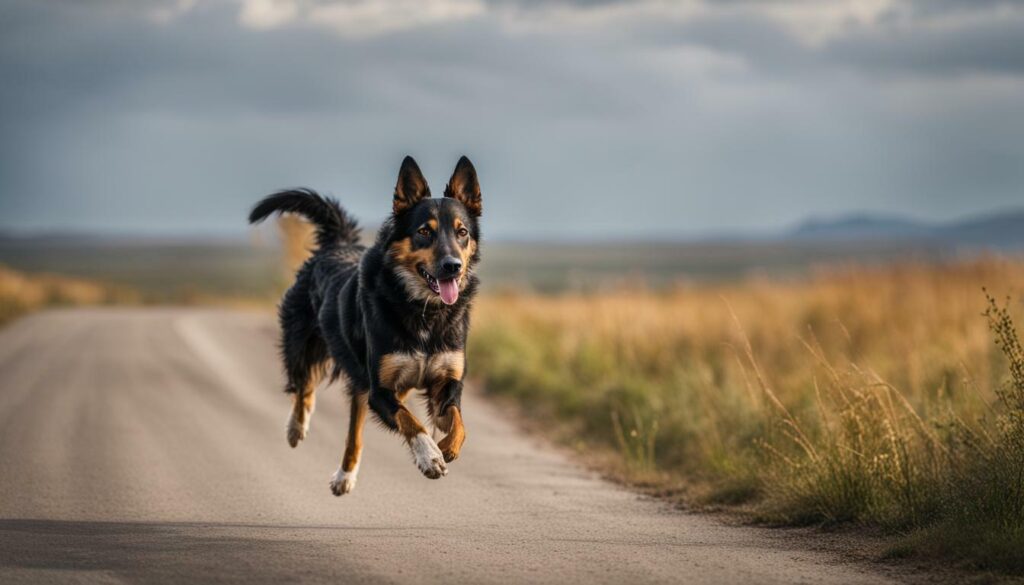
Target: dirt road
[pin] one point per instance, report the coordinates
(148, 445)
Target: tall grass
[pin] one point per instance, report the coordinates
(21, 293)
(880, 396)
(980, 515)
(866, 395)
(298, 239)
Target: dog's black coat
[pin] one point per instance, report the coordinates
(352, 305)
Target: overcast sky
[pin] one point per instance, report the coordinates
(584, 118)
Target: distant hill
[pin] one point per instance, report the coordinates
(998, 230)
(860, 227)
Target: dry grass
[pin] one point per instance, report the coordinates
(867, 395)
(859, 395)
(298, 239)
(21, 293)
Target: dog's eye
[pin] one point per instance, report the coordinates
(463, 232)
(425, 232)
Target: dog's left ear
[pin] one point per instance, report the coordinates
(465, 188)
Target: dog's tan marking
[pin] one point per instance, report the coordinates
(466, 253)
(344, 479)
(451, 423)
(402, 253)
(470, 247)
(303, 405)
(401, 371)
(444, 366)
(407, 262)
(408, 425)
(354, 442)
(404, 371)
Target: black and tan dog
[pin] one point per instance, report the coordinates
(391, 318)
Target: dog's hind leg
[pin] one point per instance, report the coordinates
(303, 378)
(344, 479)
(303, 404)
(305, 360)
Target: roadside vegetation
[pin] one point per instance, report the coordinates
(21, 293)
(891, 397)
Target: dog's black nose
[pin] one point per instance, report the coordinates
(450, 266)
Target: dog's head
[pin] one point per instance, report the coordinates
(433, 245)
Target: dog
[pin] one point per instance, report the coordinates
(387, 319)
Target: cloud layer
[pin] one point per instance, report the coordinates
(597, 118)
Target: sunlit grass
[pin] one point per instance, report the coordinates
(889, 396)
(865, 395)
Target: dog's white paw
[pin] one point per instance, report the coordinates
(428, 456)
(296, 429)
(343, 482)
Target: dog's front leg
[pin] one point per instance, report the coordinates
(389, 409)
(449, 419)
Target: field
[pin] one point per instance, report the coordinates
(887, 396)
(168, 272)
(172, 271)
(21, 293)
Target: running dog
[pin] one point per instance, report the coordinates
(386, 319)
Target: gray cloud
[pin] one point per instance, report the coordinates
(993, 45)
(175, 117)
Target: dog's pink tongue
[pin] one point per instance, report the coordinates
(449, 291)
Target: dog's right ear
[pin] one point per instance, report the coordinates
(411, 187)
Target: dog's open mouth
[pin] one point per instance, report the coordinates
(447, 289)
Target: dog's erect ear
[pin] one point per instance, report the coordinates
(465, 188)
(411, 187)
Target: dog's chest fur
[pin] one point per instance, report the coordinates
(403, 371)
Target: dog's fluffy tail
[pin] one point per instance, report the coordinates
(333, 225)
